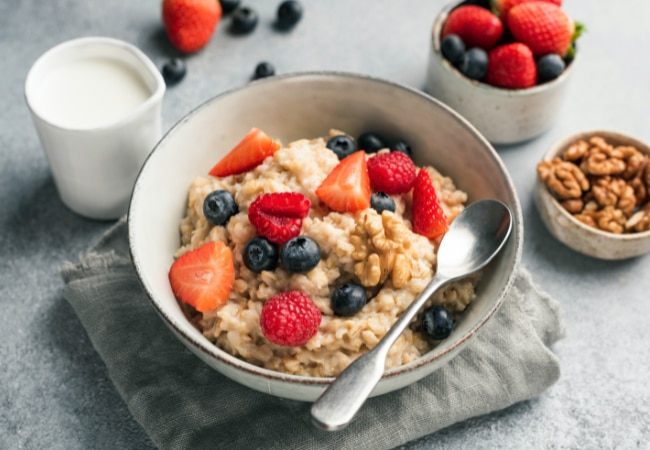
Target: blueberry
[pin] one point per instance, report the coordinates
(370, 142)
(219, 206)
(452, 48)
(380, 201)
(475, 64)
(437, 322)
(228, 6)
(300, 254)
(550, 67)
(342, 145)
(289, 14)
(260, 254)
(348, 299)
(244, 20)
(263, 70)
(400, 145)
(173, 71)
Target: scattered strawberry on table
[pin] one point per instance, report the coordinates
(513, 44)
(190, 23)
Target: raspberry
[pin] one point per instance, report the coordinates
(290, 319)
(278, 216)
(392, 173)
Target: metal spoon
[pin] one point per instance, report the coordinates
(473, 239)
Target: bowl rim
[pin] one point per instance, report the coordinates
(561, 145)
(435, 44)
(212, 351)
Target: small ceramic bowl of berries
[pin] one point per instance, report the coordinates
(593, 194)
(504, 65)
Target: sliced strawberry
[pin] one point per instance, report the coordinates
(428, 217)
(203, 278)
(347, 187)
(246, 155)
(278, 216)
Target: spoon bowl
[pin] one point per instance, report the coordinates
(474, 238)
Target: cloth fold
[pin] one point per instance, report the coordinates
(183, 403)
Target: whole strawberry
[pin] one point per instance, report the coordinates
(190, 23)
(290, 319)
(502, 7)
(511, 66)
(543, 27)
(476, 26)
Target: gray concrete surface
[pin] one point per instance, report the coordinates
(54, 390)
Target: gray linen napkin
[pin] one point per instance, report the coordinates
(182, 403)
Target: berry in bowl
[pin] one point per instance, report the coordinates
(285, 248)
(503, 65)
(593, 194)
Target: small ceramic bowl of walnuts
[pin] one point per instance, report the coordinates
(593, 194)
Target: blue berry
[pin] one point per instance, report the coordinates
(400, 145)
(289, 14)
(263, 70)
(348, 299)
(370, 142)
(219, 206)
(380, 201)
(244, 20)
(549, 67)
(228, 6)
(260, 254)
(475, 64)
(342, 145)
(300, 254)
(437, 322)
(173, 71)
(452, 48)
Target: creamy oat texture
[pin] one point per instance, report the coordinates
(347, 241)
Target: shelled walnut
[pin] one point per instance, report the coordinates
(603, 185)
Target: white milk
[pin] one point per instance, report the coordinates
(90, 93)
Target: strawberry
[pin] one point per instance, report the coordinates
(347, 187)
(290, 319)
(511, 66)
(278, 216)
(391, 173)
(203, 278)
(428, 217)
(246, 155)
(190, 23)
(502, 7)
(476, 26)
(543, 27)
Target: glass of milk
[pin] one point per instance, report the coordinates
(96, 105)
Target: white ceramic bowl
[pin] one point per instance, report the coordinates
(503, 116)
(575, 234)
(309, 105)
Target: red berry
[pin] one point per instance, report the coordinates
(502, 7)
(278, 216)
(290, 319)
(347, 187)
(428, 217)
(543, 27)
(392, 173)
(511, 66)
(476, 26)
(190, 23)
(203, 278)
(249, 153)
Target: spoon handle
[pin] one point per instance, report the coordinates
(341, 400)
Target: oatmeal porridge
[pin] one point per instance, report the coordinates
(378, 253)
